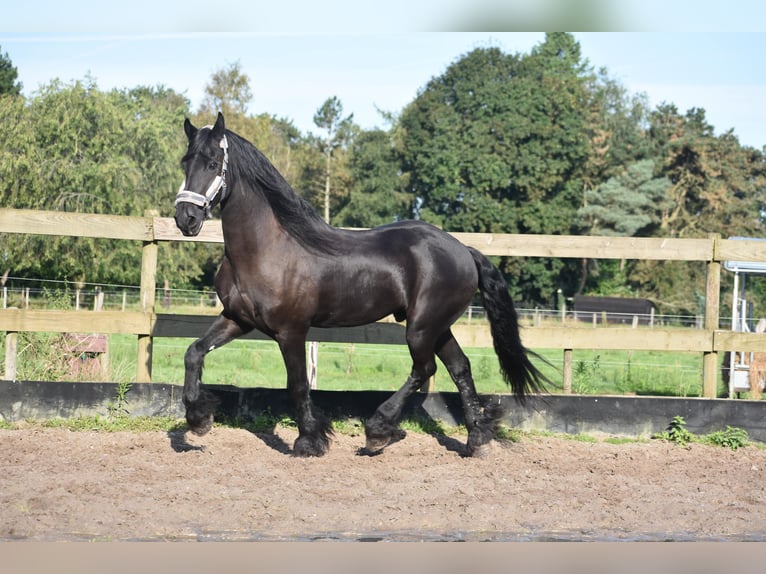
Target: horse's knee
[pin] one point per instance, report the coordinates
(423, 371)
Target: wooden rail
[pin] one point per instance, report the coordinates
(147, 324)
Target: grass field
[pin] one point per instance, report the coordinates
(385, 367)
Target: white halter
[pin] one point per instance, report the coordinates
(219, 183)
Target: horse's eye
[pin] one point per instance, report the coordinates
(212, 165)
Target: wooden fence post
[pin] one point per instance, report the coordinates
(11, 352)
(568, 371)
(147, 294)
(712, 311)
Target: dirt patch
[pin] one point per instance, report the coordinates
(235, 485)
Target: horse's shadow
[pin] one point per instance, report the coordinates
(178, 442)
(273, 441)
(451, 444)
(177, 437)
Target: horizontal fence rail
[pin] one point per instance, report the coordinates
(147, 323)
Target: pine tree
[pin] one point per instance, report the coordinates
(8, 76)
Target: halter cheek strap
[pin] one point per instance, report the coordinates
(205, 200)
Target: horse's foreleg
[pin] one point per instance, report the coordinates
(201, 404)
(314, 428)
(382, 428)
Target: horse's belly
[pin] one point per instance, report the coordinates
(352, 315)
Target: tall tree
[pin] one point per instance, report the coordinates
(338, 131)
(498, 143)
(228, 92)
(75, 148)
(619, 124)
(377, 195)
(715, 186)
(8, 76)
(627, 204)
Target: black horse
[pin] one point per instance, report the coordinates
(284, 270)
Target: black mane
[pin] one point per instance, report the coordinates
(296, 215)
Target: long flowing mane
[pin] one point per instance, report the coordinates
(294, 213)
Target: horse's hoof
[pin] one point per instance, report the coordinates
(305, 447)
(375, 444)
(201, 426)
(480, 451)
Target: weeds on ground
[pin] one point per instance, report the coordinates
(731, 437)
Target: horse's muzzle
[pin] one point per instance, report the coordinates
(189, 219)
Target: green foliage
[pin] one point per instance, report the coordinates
(509, 434)
(427, 425)
(377, 196)
(338, 132)
(627, 204)
(586, 375)
(228, 91)
(75, 148)
(677, 432)
(119, 407)
(8, 76)
(41, 356)
(498, 143)
(730, 437)
(113, 424)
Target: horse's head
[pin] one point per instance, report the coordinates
(204, 166)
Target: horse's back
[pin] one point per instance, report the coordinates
(431, 259)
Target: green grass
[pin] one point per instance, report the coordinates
(385, 367)
(113, 424)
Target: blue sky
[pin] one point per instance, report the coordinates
(693, 57)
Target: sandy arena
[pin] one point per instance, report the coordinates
(235, 485)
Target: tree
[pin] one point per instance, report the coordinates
(628, 204)
(498, 143)
(8, 76)
(715, 186)
(228, 92)
(75, 148)
(377, 195)
(619, 123)
(338, 131)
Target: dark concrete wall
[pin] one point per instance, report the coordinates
(573, 414)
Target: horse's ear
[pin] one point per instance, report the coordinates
(190, 130)
(219, 129)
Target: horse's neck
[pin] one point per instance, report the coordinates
(248, 221)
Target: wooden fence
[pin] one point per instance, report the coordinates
(145, 324)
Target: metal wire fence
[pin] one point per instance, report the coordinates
(24, 293)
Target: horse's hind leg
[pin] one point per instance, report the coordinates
(382, 427)
(480, 420)
(201, 404)
(314, 428)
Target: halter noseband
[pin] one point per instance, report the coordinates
(205, 200)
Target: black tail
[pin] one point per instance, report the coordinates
(518, 371)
